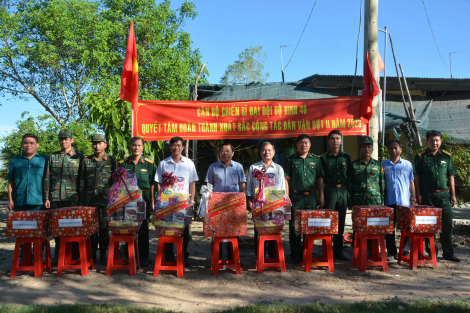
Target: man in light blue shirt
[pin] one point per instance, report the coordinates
(399, 189)
(226, 176)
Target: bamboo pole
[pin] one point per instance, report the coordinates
(412, 112)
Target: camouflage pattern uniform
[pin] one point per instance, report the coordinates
(97, 176)
(367, 183)
(63, 183)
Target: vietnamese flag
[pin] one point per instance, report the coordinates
(130, 72)
(369, 90)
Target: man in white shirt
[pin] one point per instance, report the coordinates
(185, 171)
(267, 155)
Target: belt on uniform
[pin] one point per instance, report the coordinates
(437, 190)
(335, 186)
(145, 190)
(305, 193)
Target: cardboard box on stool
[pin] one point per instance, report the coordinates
(28, 224)
(372, 219)
(74, 221)
(419, 219)
(316, 222)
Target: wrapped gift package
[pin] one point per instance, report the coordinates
(317, 222)
(126, 207)
(226, 215)
(372, 219)
(76, 221)
(28, 224)
(173, 212)
(419, 219)
(270, 218)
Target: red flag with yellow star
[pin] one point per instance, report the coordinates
(130, 73)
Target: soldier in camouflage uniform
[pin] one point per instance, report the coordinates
(367, 184)
(97, 169)
(63, 182)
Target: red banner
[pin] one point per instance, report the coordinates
(162, 120)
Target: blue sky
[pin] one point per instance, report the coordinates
(224, 28)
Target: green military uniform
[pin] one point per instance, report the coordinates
(338, 170)
(303, 175)
(434, 172)
(145, 172)
(27, 175)
(97, 176)
(63, 182)
(367, 185)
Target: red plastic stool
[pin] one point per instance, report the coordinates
(131, 263)
(65, 255)
(416, 250)
(326, 260)
(38, 265)
(161, 265)
(278, 261)
(360, 252)
(234, 262)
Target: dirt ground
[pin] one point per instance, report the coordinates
(198, 291)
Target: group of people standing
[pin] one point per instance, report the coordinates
(331, 181)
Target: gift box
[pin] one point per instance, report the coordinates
(270, 218)
(316, 222)
(74, 221)
(372, 219)
(172, 214)
(28, 224)
(419, 219)
(226, 215)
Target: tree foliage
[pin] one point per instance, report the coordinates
(248, 68)
(61, 51)
(47, 129)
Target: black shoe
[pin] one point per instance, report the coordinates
(295, 259)
(340, 256)
(406, 252)
(103, 259)
(452, 258)
(144, 263)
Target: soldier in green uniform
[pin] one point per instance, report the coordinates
(63, 182)
(145, 169)
(367, 183)
(434, 179)
(367, 186)
(337, 167)
(97, 170)
(304, 174)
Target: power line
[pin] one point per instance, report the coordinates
(435, 41)
(301, 35)
(357, 48)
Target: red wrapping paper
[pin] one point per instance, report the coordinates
(419, 219)
(40, 226)
(316, 219)
(372, 219)
(88, 216)
(226, 216)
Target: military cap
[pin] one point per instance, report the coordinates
(98, 138)
(367, 139)
(65, 133)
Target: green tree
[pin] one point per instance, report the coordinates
(47, 129)
(248, 68)
(58, 52)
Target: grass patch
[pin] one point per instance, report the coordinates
(423, 305)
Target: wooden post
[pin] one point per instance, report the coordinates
(371, 45)
(412, 112)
